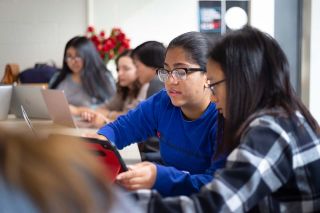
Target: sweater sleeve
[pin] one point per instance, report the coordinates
(171, 181)
(137, 125)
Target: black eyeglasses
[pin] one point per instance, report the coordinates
(212, 86)
(177, 73)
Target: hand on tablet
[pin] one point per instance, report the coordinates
(140, 176)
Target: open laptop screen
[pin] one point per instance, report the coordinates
(30, 97)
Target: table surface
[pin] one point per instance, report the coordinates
(130, 154)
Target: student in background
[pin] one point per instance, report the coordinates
(129, 94)
(272, 138)
(84, 77)
(183, 119)
(49, 175)
(147, 57)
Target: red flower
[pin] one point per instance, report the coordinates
(110, 43)
(126, 43)
(102, 34)
(90, 29)
(100, 47)
(110, 47)
(120, 36)
(121, 49)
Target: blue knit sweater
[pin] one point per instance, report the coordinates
(186, 147)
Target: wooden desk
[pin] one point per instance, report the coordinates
(130, 154)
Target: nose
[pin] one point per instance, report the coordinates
(72, 62)
(171, 79)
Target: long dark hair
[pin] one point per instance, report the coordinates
(257, 80)
(150, 53)
(96, 80)
(196, 46)
(125, 92)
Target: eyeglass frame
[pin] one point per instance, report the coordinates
(187, 71)
(213, 85)
(69, 59)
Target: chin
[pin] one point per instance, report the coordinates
(75, 71)
(176, 103)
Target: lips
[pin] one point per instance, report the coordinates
(173, 92)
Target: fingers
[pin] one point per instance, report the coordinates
(88, 115)
(132, 180)
(140, 176)
(132, 187)
(125, 176)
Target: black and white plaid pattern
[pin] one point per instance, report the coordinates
(276, 168)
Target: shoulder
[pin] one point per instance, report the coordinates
(264, 123)
(277, 120)
(279, 126)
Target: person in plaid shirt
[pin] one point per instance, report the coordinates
(273, 140)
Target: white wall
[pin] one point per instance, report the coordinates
(315, 60)
(37, 30)
(144, 20)
(262, 15)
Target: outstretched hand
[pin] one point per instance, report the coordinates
(96, 118)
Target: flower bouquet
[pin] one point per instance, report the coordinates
(109, 47)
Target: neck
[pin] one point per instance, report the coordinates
(76, 77)
(194, 112)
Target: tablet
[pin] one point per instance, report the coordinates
(108, 145)
(104, 149)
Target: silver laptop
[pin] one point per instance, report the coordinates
(5, 97)
(30, 97)
(58, 107)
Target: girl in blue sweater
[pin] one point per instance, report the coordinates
(181, 116)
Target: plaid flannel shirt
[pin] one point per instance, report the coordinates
(276, 168)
